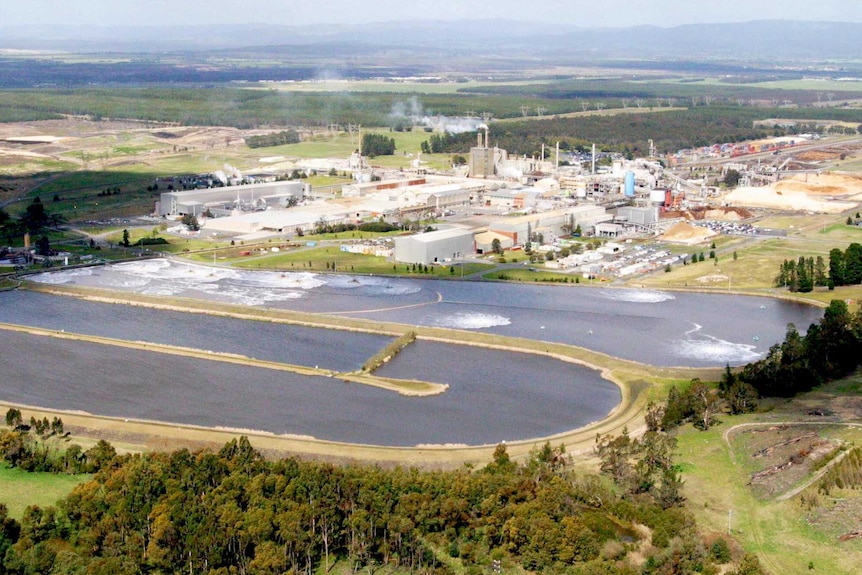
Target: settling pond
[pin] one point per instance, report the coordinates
(493, 395)
(648, 326)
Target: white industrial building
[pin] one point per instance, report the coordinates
(434, 247)
(553, 223)
(639, 216)
(515, 198)
(229, 198)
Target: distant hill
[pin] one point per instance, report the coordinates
(768, 40)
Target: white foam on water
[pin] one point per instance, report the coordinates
(168, 270)
(471, 321)
(255, 296)
(125, 281)
(370, 285)
(291, 280)
(143, 266)
(64, 277)
(716, 351)
(708, 348)
(637, 296)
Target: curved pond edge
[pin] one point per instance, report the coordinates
(633, 380)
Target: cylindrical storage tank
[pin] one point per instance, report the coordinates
(657, 196)
(630, 184)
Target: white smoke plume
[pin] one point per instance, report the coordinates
(410, 113)
(235, 173)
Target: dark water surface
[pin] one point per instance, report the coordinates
(299, 345)
(76, 375)
(649, 326)
(493, 395)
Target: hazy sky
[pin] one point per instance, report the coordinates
(579, 12)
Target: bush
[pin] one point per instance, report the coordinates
(378, 227)
(151, 242)
(720, 551)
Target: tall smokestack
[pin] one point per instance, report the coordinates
(594, 159)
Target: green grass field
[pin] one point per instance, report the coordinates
(779, 532)
(331, 258)
(19, 489)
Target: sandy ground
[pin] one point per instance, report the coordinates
(821, 193)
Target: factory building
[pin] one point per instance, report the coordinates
(434, 247)
(516, 199)
(224, 200)
(362, 189)
(551, 224)
(642, 217)
(483, 243)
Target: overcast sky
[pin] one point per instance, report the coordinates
(586, 13)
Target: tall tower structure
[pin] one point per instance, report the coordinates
(481, 157)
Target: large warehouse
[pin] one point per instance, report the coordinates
(225, 199)
(434, 247)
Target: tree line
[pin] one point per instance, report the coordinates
(806, 273)
(40, 445)
(232, 511)
(34, 220)
(829, 350)
(277, 139)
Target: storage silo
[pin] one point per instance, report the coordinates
(630, 184)
(657, 196)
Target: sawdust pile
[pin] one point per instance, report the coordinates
(822, 193)
(816, 156)
(822, 184)
(723, 214)
(685, 233)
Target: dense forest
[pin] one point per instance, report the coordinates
(235, 512)
(276, 139)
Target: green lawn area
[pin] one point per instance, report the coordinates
(331, 258)
(758, 259)
(716, 489)
(176, 244)
(527, 275)
(18, 489)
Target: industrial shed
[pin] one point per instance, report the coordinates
(586, 216)
(434, 247)
(244, 198)
(484, 242)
